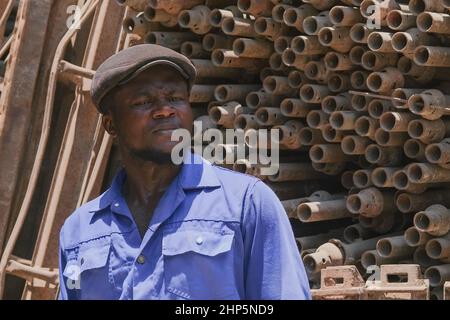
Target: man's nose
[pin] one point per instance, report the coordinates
(164, 110)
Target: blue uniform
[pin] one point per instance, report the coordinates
(215, 234)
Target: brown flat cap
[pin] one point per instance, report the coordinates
(125, 65)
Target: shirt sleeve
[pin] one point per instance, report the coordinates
(273, 267)
(63, 294)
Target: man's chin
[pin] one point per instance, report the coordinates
(157, 156)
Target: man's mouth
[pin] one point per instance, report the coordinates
(165, 129)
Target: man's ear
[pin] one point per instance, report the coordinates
(108, 124)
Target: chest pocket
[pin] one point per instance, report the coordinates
(89, 272)
(199, 264)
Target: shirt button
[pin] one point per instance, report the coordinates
(199, 240)
(141, 259)
(116, 205)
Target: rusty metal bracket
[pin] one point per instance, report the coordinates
(411, 286)
(338, 283)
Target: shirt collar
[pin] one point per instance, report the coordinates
(196, 173)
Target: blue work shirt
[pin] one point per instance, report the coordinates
(215, 234)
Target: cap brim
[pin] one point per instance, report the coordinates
(151, 64)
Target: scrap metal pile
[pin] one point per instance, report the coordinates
(360, 93)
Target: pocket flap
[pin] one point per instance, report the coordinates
(203, 242)
(93, 257)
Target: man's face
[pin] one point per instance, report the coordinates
(144, 112)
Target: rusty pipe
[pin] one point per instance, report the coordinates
(321, 4)
(344, 16)
(332, 37)
(226, 114)
(307, 45)
(370, 202)
(332, 135)
(257, 99)
(373, 258)
(399, 20)
(382, 177)
(327, 153)
(228, 59)
(344, 120)
(317, 119)
(335, 252)
(267, 27)
(360, 102)
(172, 40)
(360, 32)
(294, 17)
(291, 59)
(389, 138)
(415, 237)
(407, 41)
(136, 24)
(246, 122)
(277, 85)
(336, 61)
(311, 93)
(430, 104)
(296, 79)
(229, 92)
(432, 56)
(217, 16)
(312, 242)
(385, 81)
(362, 178)
(356, 54)
(213, 41)
(313, 24)
(384, 156)
(309, 136)
(401, 182)
(295, 108)
(240, 27)
(339, 102)
(195, 19)
(380, 42)
(439, 153)
(296, 172)
(377, 107)
(366, 127)
(269, 116)
(256, 7)
(174, 7)
(394, 247)
(429, 131)
(438, 275)
(419, 6)
(316, 70)
(282, 43)
(439, 248)
(193, 50)
(406, 202)
(338, 82)
(396, 121)
(434, 220)
(250, 48)
(289, 135)
(376, 61)
(356, 232)
(323, 211)
(206, 69)
(347, 179)
(161, 16)
(403, 94)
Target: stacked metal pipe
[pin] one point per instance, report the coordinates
(360, 92)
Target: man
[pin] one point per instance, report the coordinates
(166, 231)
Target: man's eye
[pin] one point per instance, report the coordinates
(141, 103)
(175, 99)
